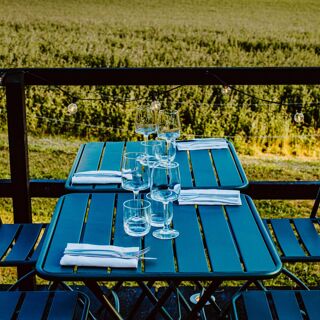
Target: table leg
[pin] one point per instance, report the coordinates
(211, 300)
(94, 287)
(204, 298)
(139, 301)
(158, 302)
(225, 308)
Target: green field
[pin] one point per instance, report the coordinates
(167, 33)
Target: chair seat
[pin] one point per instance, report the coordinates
(20, 244)
(297, 239)
(277, 304)
(43, 305)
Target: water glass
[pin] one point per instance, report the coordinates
(151, 148)
(146, 120)
(157, 214)
(168, 125)
(134, 173)
(165, 186)
(136, 213)
(165, 151)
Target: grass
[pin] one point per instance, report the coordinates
(140, 33)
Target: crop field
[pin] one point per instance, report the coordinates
(163, 33)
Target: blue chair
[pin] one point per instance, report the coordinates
(38, 305)
(276, 304)
(20, 246)
(297, 239)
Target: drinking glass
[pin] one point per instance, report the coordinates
(136, 215)
(156, 212)
(165, 152)
(151, 148)
(165, 186)
(146, 121)
(169, 129)
(134, 173)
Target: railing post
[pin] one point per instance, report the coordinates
(18, 146)
(19, 164)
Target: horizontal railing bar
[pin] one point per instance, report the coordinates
(259, 190)
(169, 76)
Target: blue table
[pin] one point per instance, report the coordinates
(217, 168)
(216, 243)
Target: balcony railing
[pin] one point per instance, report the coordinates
(21, 189)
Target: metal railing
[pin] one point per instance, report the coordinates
(21, 189)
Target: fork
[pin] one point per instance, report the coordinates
(100, 255)
(107, 252)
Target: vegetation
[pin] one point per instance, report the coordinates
(166, 33)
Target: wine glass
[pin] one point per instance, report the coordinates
(169, 130)
(165, 186)
(146, 122)
(134, 173)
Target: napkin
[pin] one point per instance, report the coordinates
(210, 197)
(202, 144)
(96, 177)
(75, 255)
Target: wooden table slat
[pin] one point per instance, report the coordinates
(90, 157)
(222, 251)
(68, 229)
(311, 300)
(8, 304)
(134, 146)
(189, 246)
(111, 160)
(63, 305)
(7, 235)
(163, 251)
(186, 178)
(203, 171)
(98, 229)
(286, 238)
(308, 235)
(121, 238)
(252, 246)
(226, 167)
(34, 305)
(286, 305)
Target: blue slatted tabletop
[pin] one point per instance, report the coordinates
(218, 168)
(215, 242)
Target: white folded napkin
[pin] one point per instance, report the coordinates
(78, 254)
(96, 177)
(202, 144)
(210, 197)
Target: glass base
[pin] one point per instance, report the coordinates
(165, 234)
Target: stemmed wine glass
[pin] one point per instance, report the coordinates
(165, 186)
(146, 122)
(169, 130)
(134, 173)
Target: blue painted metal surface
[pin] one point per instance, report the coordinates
(219, 168)
(97, 218)
(277, 304)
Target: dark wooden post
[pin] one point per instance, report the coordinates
(18, 146)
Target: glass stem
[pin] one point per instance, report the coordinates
(145, 138)
(136, 194)
(168, 142)
(166, 217)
